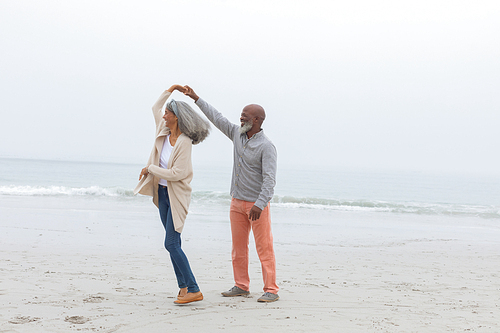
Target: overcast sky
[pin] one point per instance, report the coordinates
(385, 84)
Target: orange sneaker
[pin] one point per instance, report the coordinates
(190, 297)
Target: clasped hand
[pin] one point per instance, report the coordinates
(186, 90)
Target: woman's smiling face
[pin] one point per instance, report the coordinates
(170, 119)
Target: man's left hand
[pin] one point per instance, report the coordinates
(254, 213)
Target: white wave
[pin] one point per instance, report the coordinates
(329, 207)
(223, 198)
(63, 191)
(392, 207)
(211, 197)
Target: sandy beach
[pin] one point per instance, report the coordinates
(70, 265)
(371, 128)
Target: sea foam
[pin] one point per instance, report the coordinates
(64, 191)
(291, 202)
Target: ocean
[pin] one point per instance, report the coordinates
(314, 190)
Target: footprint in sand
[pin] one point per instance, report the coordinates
(76, 319)
(23, 320)
(93, 299)
(120, 289)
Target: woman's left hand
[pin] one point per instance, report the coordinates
(177, 87)
(144, 173)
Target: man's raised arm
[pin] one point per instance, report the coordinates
(221, 122)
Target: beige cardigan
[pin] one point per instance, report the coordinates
(178, 174)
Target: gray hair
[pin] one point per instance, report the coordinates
(190, 122)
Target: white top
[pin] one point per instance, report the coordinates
(165, 155)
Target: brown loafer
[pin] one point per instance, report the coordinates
(190, 297)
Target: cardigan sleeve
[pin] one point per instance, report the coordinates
(181, 159)
(158, 106)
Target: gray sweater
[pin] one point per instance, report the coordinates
(255, 160)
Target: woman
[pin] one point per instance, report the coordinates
(167, 176)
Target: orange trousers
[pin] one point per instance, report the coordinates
(240, 231)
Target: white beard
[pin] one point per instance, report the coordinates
(245, 128)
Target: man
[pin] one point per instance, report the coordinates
(252, 187)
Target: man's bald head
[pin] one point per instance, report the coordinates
(255, 110)
(252, 117)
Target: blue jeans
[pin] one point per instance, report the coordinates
(185, 277)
